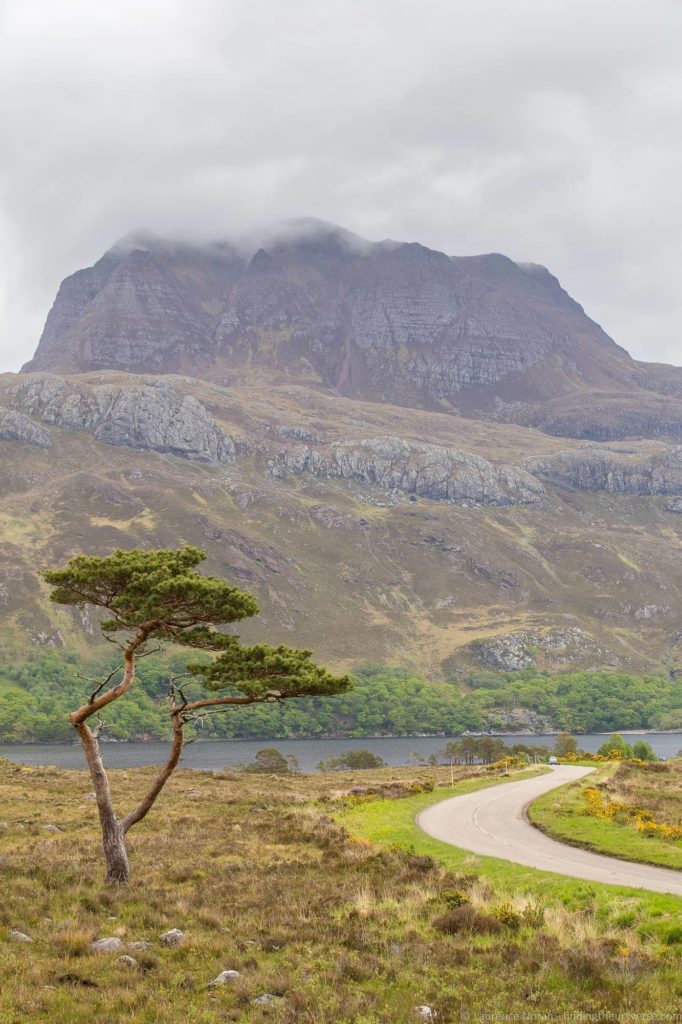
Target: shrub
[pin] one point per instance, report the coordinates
(466, 919)
(455, 898)
(533, 915)
(508, 917)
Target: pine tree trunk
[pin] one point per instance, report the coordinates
(115, 853)
(113, 836)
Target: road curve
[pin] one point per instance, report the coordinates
(494, 822)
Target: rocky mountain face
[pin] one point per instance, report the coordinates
(390, 322)
(408, 457)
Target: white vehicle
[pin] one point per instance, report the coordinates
(553, 760)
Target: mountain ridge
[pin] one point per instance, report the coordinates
(387, 321)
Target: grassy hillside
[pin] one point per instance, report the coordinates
(334, 928)
(357, 573)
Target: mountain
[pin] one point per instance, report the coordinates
(389, 322)
(333, 421)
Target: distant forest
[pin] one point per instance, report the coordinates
(36, 697)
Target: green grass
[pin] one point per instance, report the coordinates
(561, 815)
(393, 823)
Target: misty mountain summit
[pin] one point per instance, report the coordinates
(386, 322)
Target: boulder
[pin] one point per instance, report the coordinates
(127, 961)
(223, 978)
(106, 945)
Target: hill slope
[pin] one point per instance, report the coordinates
(368, 532)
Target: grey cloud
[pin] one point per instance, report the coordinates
(544, 129)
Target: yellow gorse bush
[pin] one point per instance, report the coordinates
(607, 810)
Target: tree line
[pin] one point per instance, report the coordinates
(36, 697)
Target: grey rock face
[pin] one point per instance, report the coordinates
(430, 471)
(389, 321)
(15, 426)
(631, 471)
(511, 652)
(151, 417)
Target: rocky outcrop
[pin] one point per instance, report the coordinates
(15, 426)
(150, 417)
(429, 471)
(616, 471)
(512, 652)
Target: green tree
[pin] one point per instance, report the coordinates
(353, 760)
(565, 744)
(643, 751)
(615, 745)
(159, 596)
(269, 761)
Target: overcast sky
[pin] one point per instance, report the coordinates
(548, 130)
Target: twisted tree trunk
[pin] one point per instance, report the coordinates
(113, 841)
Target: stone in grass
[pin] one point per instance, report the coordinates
(51, 828)
(18, 936)
(425, 1012)
(106, 945)
(174, 937)
(140, 944)
(127, 961)
(267, 999)
(223, 978)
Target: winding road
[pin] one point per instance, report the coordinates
(494, 822)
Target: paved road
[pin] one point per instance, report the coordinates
(494, 822)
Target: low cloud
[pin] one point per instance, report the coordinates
(545, 129)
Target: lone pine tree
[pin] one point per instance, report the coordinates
(159, 596)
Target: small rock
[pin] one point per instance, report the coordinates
(223, 978)
(140, 944)
(89, 796)
(174, 937)
(106, 945)
(18, 936)
(51, 828)
(425, 1012)
(267, 999)
(127, 961)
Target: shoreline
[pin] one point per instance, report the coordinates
(328, 738)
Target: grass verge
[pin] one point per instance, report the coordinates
(393, 824)
(561, 815)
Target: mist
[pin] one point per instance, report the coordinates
(543, 130)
